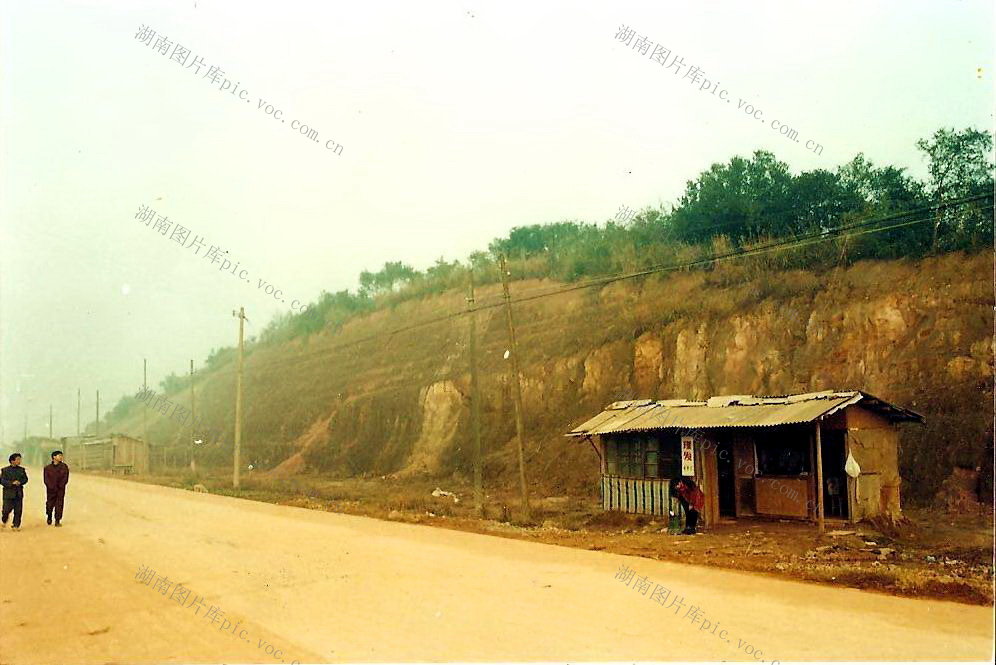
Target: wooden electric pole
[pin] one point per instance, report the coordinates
(819, 480)
(516, 388)
(78, 403)
(238, 401)
(50, 421)
(475, 402)
(193, 464)
(97, 426)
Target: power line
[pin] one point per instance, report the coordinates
(838, 233)
(813, 237)
(784, 243)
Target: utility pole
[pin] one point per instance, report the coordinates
(516, 388)
(238, 401)
(193, 413)
(27, 411)
(145, 402)
(50, 421)
(78, 403)
(97, 426)
(938, 216)
(475, 402)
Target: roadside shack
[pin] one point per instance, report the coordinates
(753, 456)
(117, 453)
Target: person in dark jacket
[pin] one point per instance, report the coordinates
(56, 479)
(692, 501)
(13, 478)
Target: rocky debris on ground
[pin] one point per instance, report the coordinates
(550, 525)
(554, 503)
(440, 492)
(822, 549)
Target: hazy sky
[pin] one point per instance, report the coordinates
(457, 121)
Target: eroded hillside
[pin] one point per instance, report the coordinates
(356, 402)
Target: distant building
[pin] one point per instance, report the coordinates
(752, 456)
(117, 453)
(35, 450)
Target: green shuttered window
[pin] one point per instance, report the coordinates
(643, 456)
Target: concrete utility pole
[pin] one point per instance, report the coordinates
(516, 388)
(27, 410)
(475, 402)
(145, 402)
(819, 480)
(238, 400)
(193, 413)
(78, 403)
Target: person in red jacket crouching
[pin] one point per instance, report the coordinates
(692, 501)
(56, 478)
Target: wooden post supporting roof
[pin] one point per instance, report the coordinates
(819, 479)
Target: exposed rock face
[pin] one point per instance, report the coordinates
(688, 363)
(442, 405)
(648, 364)
(607, 368)
(918, 334)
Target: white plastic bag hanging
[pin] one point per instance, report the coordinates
(851, 467)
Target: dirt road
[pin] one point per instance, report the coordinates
(278, 584)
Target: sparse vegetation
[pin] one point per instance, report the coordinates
(742, 204)
(348, 404)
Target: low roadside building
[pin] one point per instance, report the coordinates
(35, 451)
(753, 456)
(116, 453)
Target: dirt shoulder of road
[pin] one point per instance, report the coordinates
(931, 554)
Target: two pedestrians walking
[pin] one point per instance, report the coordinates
(13, 478)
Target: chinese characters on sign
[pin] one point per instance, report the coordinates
(175, 412)
(215, 75)
(675, 65)
(181, 595)
(661, 595)
(180, 235)
(687, 456)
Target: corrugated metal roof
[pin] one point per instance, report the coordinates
(734, 411)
